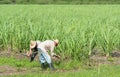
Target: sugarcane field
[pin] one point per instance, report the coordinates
(59, 39)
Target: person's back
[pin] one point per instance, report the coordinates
(47, 45)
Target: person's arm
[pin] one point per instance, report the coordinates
(29, 52)
(52, 50)
(54, 54)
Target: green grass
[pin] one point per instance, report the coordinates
(12, 61)
(101, 71)
(65, 69)
(25, 63)
(79, 28)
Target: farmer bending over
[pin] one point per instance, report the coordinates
(42, 49)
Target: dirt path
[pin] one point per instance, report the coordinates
(9, 70)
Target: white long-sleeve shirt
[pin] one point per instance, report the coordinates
(46, 46)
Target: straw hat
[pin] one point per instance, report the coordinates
(56, 40)
(32, 44)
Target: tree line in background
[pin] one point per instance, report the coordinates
(59, 1)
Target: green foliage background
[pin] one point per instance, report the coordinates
(80, 29)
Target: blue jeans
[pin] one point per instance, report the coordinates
(44, 57)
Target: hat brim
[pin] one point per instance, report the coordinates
(32, 44)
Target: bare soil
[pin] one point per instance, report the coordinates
(98, 58)
(9, 70)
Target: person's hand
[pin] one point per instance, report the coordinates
(56, 56)
(24, 54)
